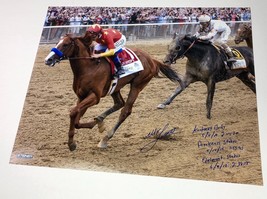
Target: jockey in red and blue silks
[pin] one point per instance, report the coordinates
(109, 42)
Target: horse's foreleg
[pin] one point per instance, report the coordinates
(177, 91)
(75, 116)
(209, 101)
(77, 124)
(118, 104)
(125, 112)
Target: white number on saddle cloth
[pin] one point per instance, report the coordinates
(239, 64)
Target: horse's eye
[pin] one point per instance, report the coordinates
(177, 47)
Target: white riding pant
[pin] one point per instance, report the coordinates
(222, 38)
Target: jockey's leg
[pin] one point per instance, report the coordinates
(117, 63)
(229, 53)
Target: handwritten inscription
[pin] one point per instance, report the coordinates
(221, 147)
(233, 164)
(156, 135)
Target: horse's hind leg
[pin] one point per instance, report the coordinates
(248, 79)
(118, 104)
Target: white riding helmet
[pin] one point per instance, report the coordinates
(204, 18)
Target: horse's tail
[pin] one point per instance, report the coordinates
(169, 72)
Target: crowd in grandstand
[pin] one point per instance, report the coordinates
(57, 16)
(115, 17)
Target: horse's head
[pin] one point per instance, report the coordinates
(178, 48)
(63, 50)
(243, 32)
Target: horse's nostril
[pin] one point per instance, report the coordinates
(48, 62)
(167, 62)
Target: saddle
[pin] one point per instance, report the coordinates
(126, 57)
(239, 64)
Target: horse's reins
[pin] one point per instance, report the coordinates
(79, 57)
(191, 45)
(183, 55)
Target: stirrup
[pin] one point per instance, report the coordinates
(119, 72)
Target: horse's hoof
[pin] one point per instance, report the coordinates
(101, 127)
(161, 106)
(102, 144)
(72, 146)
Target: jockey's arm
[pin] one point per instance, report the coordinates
(209, 36)
(197, 34)
(108, 53)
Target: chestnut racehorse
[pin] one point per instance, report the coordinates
(244, 32)
(92, 79)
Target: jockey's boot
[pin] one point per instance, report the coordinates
(120, 70)
(231, 57)
(230, 54)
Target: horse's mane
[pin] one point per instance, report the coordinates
(195, 39)
(87, 42)
(206, 43)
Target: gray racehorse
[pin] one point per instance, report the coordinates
(206, 63)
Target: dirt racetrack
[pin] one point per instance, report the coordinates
(223, 149)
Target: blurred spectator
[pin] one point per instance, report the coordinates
(133, 18)
(135, 15)
(76, 16)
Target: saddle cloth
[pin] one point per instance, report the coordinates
(240, 62)
(130, 64)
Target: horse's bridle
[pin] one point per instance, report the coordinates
(60, 54)
(173, 61)
(51, 59)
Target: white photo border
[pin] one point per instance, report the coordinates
(22, 23)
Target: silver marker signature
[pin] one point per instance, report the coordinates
(157, 134)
